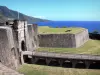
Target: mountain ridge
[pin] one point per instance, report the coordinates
(6, 13)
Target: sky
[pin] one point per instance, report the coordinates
(58, 10)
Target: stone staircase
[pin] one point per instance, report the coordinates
(7, 71)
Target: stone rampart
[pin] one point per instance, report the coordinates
(81, 38)
(33, 36)
(36, 40)
(7, 48)
(63, 40)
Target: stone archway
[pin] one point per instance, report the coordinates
(23, 46)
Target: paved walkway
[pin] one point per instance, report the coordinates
(64, 55)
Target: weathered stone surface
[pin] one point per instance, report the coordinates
(36, 40)
(7, 71)
(63, 40)
(33, 37)
(81, 37)
(15, 39)
(7, 48)
(20, 29)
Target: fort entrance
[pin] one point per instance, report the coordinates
(23, 47)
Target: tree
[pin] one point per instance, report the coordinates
(64, 27)
(95, 32)
(50, 26)
(57, 27)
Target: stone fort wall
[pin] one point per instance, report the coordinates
(33, 36)
(63, 40)
(11, 38)
(8, 50)
(81, 37)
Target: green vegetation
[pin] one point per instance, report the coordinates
(44, 27)
(48, 30)
(64, 27)
(1, 15)
(95, 32)
(30, 69)
(90, 47)
(8, 13)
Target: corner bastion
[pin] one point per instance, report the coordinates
(65, 40)
(8, 50)
(16, 37)
(33, 36)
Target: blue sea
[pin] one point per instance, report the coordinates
(90, 25)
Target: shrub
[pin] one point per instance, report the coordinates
(95, 32)
(64, 27)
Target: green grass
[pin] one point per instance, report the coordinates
(30, 69)
(48, 30)
(90, 47)
(43, 26)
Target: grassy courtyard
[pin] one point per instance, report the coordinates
(48, 30)
(28, 69)
(90, 47)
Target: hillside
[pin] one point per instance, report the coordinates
(6, 13)
(2, 18)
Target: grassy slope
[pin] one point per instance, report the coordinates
(90, 47)
(46, 29)
(47, 70)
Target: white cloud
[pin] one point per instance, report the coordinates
(40, 17)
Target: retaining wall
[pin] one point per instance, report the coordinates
(33, 38)
(63, 40)
(81, 37)
(8, 50)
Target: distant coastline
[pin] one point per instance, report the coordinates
(90, 25)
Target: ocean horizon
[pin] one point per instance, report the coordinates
(90, 25)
